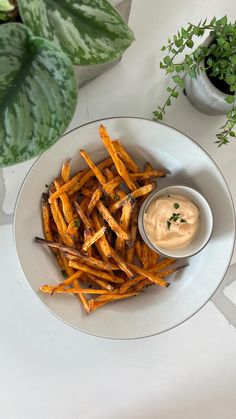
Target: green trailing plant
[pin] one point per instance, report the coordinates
(218, 60)
(38, 88)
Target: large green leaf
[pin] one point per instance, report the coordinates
(89, 31)
(37, 93)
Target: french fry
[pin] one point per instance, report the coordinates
(111, 221)
(144, 190)
(153, 258)
(124, 224)
(87, 176)
(60, 223)
(87, 236)
(65, 170)
(154, 270)
(72, 228)
(103, 284)
(113, 297)
(149, 275)
(47, 226)
(121, 263)
(85, 220)
(164, 274)
(130, 255)
(120, 167)
(86, 192)
(96, 272)
(91, 261)
(48, 290)
(67, 186)
(94, 200)
(66, 204)
(102, 244)
(138, 250)
(95, 169)
(108, 174)
(93, 238)
(94, 305)
(145, 256)
(109, 187)
(67, 281)
(125, 157)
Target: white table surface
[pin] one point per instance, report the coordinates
(49, 370)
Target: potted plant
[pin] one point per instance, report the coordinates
(207, 71)
(38, 87)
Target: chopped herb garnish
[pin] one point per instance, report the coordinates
(116, 198)
(175, 217)
(176, 205)
(46, 186)
(77, 223)
(168, 196)
(63, 273)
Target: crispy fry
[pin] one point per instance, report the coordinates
(85, 220)
(124, 224)
(111, 221)
(48, 290)
(109, 187)
(96, 272)
(87, 236)
(138, 250)
(67, 186)
(108, 174)
(94, 305)
(102, 244)
(103, 284)
(91, 261)
(66, 204)
(120, 167)
(149, 275)
(125, 157)
(121, 263)
(67, 281)
(92, 239)
(60, 223)
(47, 226)
(130, 255)
(86, 192)
(145, 256)
(164, 274)
(113, 297)
(94, 200)
(144, 190)
(72, 228)
(153, 258)
(134, 227)
(87, 176)
(65, 170)
(96, 171)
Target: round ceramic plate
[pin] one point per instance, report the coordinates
(157, 309)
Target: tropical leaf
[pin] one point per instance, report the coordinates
(89, 31)
(37, 93)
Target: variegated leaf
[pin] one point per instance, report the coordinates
(37, 93)
(89, 31)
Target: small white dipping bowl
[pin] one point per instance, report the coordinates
(205, 223)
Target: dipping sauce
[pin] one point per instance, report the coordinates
(171, 221)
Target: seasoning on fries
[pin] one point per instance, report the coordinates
(90, 224)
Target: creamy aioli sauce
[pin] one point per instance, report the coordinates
(171, 221)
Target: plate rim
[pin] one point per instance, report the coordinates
(112, 337)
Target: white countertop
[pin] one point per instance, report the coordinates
(49, 370)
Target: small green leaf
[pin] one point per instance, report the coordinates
(77, 223)
(222, 21)
(232, 134)
(167, 60)
(176, 205)
(229, 99)
(178, 81)
(192, 73)
(230, 79)
(179, 42)
(168, 102)
(233, 59)
(189, 43)
(184, 33)
(163, 48)
(175, 94)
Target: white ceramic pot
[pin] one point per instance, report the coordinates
(203, 94)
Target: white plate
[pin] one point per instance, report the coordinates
(156, 310)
